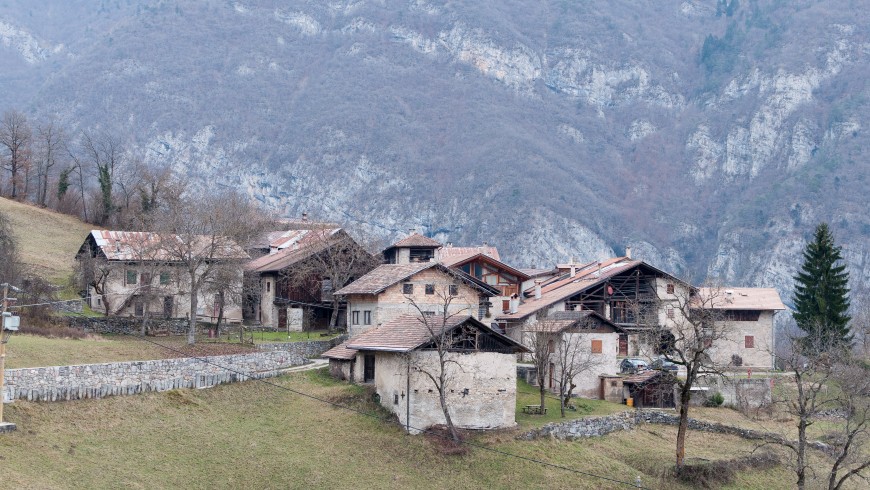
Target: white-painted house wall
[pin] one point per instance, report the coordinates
(488, 377)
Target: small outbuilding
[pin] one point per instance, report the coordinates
(398, 358)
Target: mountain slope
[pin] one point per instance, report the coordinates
(711, 136)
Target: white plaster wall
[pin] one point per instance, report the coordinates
(758, 357)
(588, 382)
(490, 379)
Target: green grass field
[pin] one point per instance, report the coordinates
(253, 435)
(47, 241)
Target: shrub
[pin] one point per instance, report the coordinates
(736, 360)
(715, 400)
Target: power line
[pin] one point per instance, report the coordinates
(370, 415)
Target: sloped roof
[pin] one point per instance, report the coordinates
(740, 298)
(453, 254)
(409, 332)
(137, 246)
(340, 351)
(385, 275)
(305, 244)
(416, 240)
(562, 320)
(460, 260)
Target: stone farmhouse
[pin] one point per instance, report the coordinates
(291, 280)
(135, 273)
(398, 356)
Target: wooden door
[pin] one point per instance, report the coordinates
(623, 344)
(167, 307)
(282, 318)
(368, 368)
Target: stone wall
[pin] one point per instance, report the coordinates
(741, 393)
(115, 325)
(57, 383)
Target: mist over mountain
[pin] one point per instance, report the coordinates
(711, 136)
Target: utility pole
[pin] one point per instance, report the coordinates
(4, 337)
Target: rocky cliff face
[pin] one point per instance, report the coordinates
(711, 136)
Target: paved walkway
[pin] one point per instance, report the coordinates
(314, 364)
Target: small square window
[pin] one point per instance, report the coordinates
(164, 278)
(367, 317)
(670, 289)
(454, 290)
(407, 288)
(268, 286)
(749, 341)
(132, 277)
(596, 347)
(354, 318)
(429, 313)
(430, 289)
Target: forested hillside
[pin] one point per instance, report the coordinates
(710, 135)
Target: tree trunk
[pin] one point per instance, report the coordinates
(562, 401)
(333, 317)
(801, 453)
(685, 393)
(543, 390)
(191, 332)
(145, 319)
(220, 317)
(453, 434)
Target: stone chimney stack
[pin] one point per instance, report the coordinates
(514, 304)
(599, 268)
(538, 288)
(573, 267)
(628, 252)
(304, 216)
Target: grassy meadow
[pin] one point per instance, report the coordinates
(254, 435)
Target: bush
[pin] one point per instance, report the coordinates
(736, 360)
(715, 400)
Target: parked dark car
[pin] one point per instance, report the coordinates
(632, 365)
(662, 364)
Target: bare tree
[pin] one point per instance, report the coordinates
(573, 357)
(824, 385)
(437, 319)
(10, 262)
(106, 154)
(205, 234)
(15, 138)
(688, 339)
(92, 271)
(50, 143)
(541, 344)
(336, 261)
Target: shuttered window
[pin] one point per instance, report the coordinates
(596, 347)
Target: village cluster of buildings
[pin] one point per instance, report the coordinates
(402, 307)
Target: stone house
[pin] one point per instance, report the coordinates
(293, 287)
(134, 274)
(396, 356)
(585, 339)
(637, 297)
(393, 290)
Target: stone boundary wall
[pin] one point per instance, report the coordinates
(628, 420)
(117, 325)
(308, 348)
(57, 383)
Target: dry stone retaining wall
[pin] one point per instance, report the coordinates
(117, 325)
(57, 383)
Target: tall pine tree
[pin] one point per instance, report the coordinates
(821, 292)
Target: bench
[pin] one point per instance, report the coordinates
(535, 410)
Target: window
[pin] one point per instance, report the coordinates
(596, 346)
(454, 290)
(670, 312)
(131, 277)
(749, 340)
(354, 318)
(670, 289)
(551, 347)
(164, 278)
(139, 309)
(268, 286)
(407, 288)
(367, 317)
(98, 302)
(430, 289)
(428, 313)
(505, 305)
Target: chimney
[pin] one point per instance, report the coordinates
(449, 244)
(538, 288)
(599, 268)
(628, 251)
(515, 304)
(411, 231)
(573, 267)
(304, 216)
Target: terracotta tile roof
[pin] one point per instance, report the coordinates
(408, 332)
(386, 275)
(741, 298)
(340, 351)
(641, 377)
(417, 240)
(149, 246)
(450, 252)
(405, 333)
(561, 320)
(462, 259)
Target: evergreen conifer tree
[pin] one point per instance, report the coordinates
(821, 292)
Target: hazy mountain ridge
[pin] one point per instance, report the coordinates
(710, 138)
